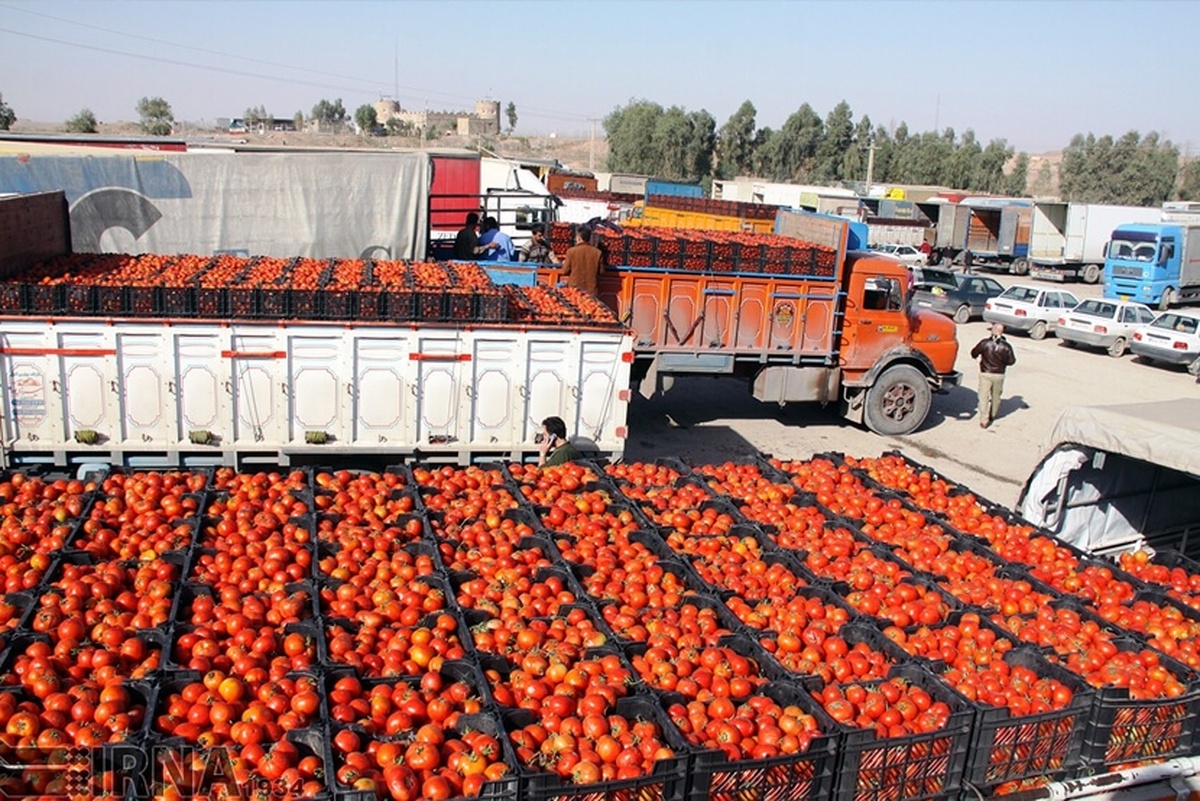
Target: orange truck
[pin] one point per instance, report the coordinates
(798, 316)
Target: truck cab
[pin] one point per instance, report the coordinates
(1153, 264)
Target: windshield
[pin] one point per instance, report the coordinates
(928, 277)
(1176, 322)
(1025, 294)
(1097, 308)
(1131, 250)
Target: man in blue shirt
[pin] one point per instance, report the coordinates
(499, 244)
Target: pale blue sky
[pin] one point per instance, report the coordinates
(1033, 73)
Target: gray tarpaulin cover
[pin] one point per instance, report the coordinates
(1115, 476)
(321, 205)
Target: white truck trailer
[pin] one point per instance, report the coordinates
(1068, 240)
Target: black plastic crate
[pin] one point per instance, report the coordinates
(726, 620)
(916, 766)
(144, 301)
(668, 781)
(13, 299)
(212, 303)
(491, 308)
(44, 298)
(80, 299)
(111, 300)
(179, 301)
(274, 304)
(374, 306)
(1007, 748)
(242, 303)
(788, 777)
(692, 583)
(339, 304)
(304, 304)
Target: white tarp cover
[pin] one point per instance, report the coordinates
(321, 205)
(1114, 475)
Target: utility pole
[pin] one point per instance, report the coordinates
(592, 147)
(870, 164)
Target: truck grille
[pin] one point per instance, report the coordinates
(1126, 272)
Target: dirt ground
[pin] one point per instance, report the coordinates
(707, 419)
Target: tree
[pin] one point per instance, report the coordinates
(398, 127)
(702, 146)
(365, 118)
(792, 151)
(510, 111)
(735, 143)
(82, 123)
(1043, 182)
(1015, 181)
(330, 113)
(7, 115)
(258, 115)
(832, 149)
(1133, 170)
(298, 120)
(157, 118)
(630, 132)
(1189, 184)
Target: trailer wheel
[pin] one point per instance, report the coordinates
(962, 315)
(1090, 273)
(1038, 331)
(899, 401)
(1020, 267)
(1117, 348)
(1168, 298)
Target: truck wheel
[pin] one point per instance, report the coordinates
(962, 315)
(899, 401)
(1168, 298)
(1090, 273)
(1117, 348)
(1194, 368)
(1038, 331)
(1020, 267)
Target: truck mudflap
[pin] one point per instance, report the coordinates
(946, 380)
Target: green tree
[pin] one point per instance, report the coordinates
(510, 111)
(258, 115)
(792, 151)
(1132, 170)
(157, 118)
(832, 149)
(366, 118)
(701, 149)
(672, 134)
(735, 143)
(1043, 182)
(854, 161)
(630, 132)
(398, 127)
(987, 169)
(7, 116)
(1189, 186)
(1016, 180)
(329, 113)
(82, 123)
(298, 120)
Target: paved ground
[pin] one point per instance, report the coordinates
(706, 420)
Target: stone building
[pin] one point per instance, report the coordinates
(485, 121)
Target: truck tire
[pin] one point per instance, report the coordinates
(1038, 331)
(1194, 368)
(962, 315)
(1020, 267)
(1117, 348)
(898, 402)
(1167, 299)
(1090, 273)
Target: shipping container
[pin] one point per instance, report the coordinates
(657, 186)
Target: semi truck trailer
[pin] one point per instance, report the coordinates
(1068, 240)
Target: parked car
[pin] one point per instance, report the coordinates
(905, 253)
(1103, 324)
(1173, 337)
(962, 297)
(1032, 309)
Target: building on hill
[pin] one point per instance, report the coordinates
(484, 121)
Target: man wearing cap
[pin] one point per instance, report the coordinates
(538, 249)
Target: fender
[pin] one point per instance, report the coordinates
(900, 354)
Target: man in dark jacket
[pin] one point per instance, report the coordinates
(995, 356)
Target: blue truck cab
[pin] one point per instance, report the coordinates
(1155, 264)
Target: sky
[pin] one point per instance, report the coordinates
(1033, 73)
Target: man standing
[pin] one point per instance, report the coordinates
(995, 356)
(581, 266)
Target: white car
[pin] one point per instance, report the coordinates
(1103, 324)
(1032, 309)
(906, 253)
(1174, 337)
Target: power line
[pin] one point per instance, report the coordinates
(418, 91)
